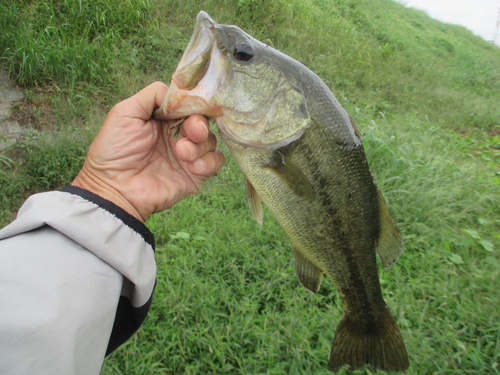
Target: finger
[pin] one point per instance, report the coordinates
(195, 128)
(186, 150)
(208, 164)
(142, 104)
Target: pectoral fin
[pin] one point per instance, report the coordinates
(390, 241)
(291, 175)
(308, 274)
(254, 202)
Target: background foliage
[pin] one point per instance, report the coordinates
(426, 97)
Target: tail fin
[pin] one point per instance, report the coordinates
(382, 346)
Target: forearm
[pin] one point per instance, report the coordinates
(66, 265)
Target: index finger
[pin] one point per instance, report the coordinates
(195, 128)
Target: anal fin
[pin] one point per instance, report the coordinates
(390, 241)
(308, 274)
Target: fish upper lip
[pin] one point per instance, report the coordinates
(202, 37)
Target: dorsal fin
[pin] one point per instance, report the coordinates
(390, 241)
(356, 128)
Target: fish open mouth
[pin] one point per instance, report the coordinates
(183, 97)
(195, 60)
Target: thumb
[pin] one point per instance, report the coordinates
(146, 100)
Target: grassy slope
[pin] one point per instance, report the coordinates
(227, 301)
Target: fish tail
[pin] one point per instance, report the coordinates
(381, 346)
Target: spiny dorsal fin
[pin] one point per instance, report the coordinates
(291, 175)
(254, 202)
(390, 241)
(308, 274)
(356, 128)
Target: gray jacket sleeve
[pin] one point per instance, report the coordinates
(77, 275)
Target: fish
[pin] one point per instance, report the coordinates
(302, 156)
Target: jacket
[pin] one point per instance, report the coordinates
(77, 275)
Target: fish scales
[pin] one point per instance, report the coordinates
(302, 156)
(337, 217)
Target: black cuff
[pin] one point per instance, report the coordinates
(128, 219)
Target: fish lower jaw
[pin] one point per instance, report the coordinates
(188, 106)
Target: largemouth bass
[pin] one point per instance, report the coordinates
(302, 156)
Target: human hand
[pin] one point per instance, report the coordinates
(135, 164)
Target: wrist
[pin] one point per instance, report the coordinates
(91, 182)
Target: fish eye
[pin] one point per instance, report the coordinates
(243, 51)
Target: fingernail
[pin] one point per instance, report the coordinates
(199, 164)
(204, 126)
(192, 149)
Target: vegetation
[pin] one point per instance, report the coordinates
(426, 97)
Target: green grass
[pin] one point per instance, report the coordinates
(70, 42)
(426, 97)
(228, 300)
